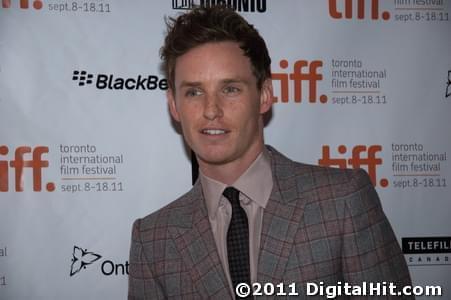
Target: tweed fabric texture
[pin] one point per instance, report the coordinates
(320, 225)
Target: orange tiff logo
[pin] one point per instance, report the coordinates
(19, 164)
(303, 71)
(349, 7)
(24, 4)
(361, 156)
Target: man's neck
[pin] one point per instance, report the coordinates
(228, 173)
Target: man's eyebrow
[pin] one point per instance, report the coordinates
(235, 80)
(184, 83)
(190, 84)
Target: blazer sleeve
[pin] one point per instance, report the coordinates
(370, 250)
(141, 282)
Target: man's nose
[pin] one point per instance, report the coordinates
(212, 108)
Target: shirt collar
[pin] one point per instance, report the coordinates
(255, 183)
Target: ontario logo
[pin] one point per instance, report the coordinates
(82, 258)
(112, 82)
(361, 157)
(237, 5)
(19, 164)
(339, 9)
(304, 75)
(23, 4)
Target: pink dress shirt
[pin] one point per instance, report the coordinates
(255, 186)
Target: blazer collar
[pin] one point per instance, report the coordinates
(284, 189)
(281, 218)
(195, 242)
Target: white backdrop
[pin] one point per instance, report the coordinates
(87, 146)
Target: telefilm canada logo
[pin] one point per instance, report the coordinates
(82, 258)
(237, 5)
(23, 4)
(427, 251)
(113, 82)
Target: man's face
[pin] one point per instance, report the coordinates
(218, 104)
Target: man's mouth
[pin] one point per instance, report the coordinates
(211, 131)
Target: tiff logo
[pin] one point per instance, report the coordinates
(83, 77)
(18, 164)
(237, 5)
(356, 160)
(24, 4)
(350, 6)
(303, 71)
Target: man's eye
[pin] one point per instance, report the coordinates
(192, 93)
(231, 90)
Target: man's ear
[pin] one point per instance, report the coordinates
(172, 106)
(266, 96)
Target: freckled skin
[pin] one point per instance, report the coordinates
(215, 88)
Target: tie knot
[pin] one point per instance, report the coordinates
(232, 194)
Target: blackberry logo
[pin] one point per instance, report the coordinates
(81, 259)
(112, 82)
(83, 77)
(237, 5)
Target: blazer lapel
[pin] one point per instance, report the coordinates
(195, 242)
(281, 219)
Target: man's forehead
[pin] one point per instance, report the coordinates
(219, 61)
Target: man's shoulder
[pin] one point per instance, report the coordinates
(326, 189)
(310, 177)
(171, 214)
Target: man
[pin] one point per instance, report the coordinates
(254, 216)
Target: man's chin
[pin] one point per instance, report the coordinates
(214, 159)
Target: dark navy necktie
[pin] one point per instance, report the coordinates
(238, 240)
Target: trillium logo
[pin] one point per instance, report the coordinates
(81, 259)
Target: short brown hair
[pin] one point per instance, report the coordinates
(213, 24)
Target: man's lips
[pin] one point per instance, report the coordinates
(214, 131)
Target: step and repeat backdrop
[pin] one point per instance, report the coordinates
(87, 144)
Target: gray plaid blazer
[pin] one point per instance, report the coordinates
(320, 224)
